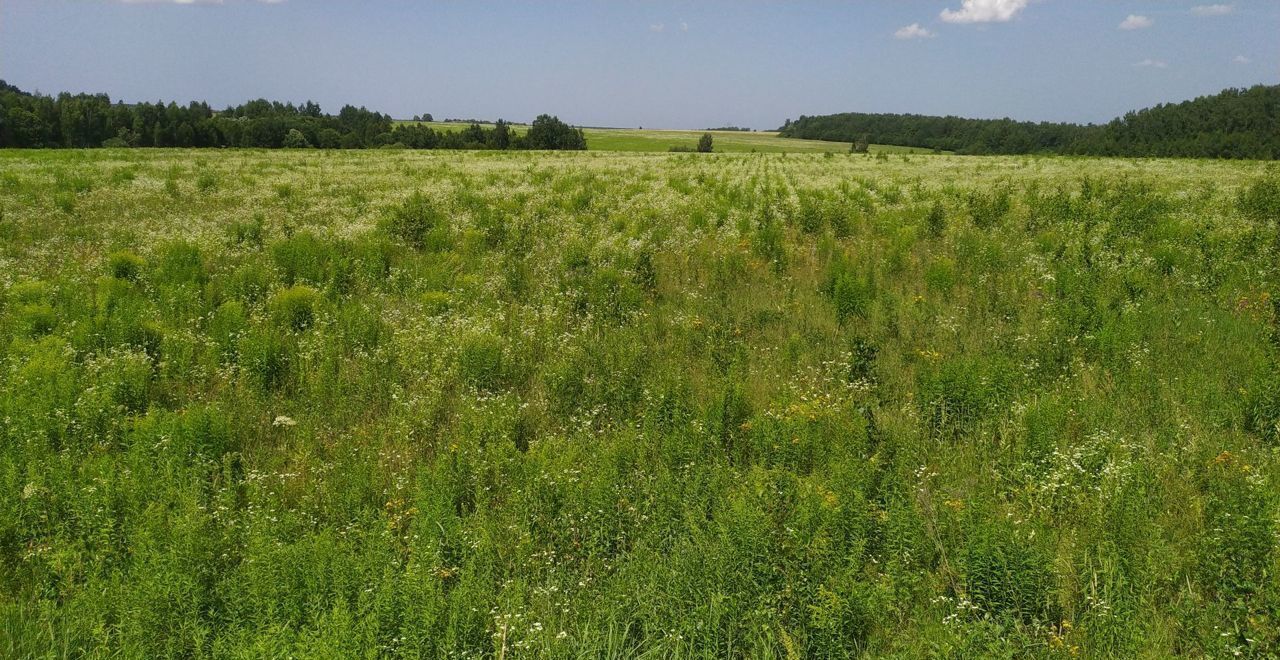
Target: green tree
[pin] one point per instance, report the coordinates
(548, 132)
(704, 143)
(501, 135)
(294, 139)
(329, 139)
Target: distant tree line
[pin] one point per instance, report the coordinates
(1236, 123)
(732, 128)
(92, 120)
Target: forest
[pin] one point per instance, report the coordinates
(1236, 123)
(92, 120)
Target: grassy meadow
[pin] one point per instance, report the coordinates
(658, 140)
(581, 405)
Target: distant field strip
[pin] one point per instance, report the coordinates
(644, 139)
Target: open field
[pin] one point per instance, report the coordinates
(658, 140)
(581, 404)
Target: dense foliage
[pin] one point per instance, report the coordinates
(1237, 123)
(91, 120)
(411, 404)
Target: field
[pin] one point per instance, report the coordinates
(642, 139)
(487, 404)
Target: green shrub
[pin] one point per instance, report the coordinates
(124, 265)
(768, 243)
(613, 296)
(251, 282)
(1239, 548)
(36, 319)
(294, 139)
(862, 359)
(226, 325)
(295, 308)
(418, 222)
(1006, 574)
(436, 302)
(206, 182)
(935, 220)
(645, 273)
(987, 210)
(481, 362)
(940, 275)
(31, 292)
(810, 214)
(1260, 200)
(266, 357)
(1133, 208)
(1262, 409)
(303, 257)
(249, 232)
(959, 392)
(850, 291)
(180, 262)
(127, 377)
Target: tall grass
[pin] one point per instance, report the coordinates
(586, 405)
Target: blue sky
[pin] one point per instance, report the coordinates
(654, 63)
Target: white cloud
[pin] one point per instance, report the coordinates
(657, 27)
(984, 11)
(1241, 59)
(1212, 10)
(1152, 64)
(913, 31)
(684, 27)
(1136, 22)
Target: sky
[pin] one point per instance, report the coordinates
(652, 63)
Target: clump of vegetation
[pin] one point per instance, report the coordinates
(125, 265)
(481, 361)
(851, 291)
(935, 220)
(419, 222)
(1260, 200)
(295, 308)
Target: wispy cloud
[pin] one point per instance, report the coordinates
(913, 31)
(1151, 64)
(1241, 59)
(657, 27)
(984, 11)
(1213, 10)
(684, 27)
(1136, 22)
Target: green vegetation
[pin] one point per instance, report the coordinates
(91, 120)
(1237, 123)
(664, 140)
(512, 404)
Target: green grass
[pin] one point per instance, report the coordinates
(658, 140)
(481, 404)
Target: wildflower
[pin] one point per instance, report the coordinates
(283, 420)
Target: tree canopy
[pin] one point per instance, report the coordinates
(1236, 123)
(92, 120)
